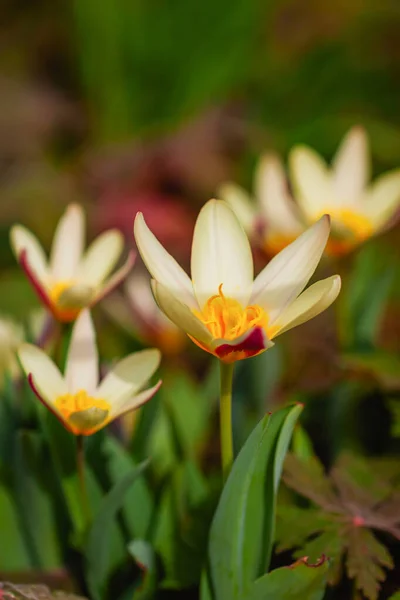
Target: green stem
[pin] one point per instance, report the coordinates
(225, 407)
(80, 463)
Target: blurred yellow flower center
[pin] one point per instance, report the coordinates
(68, 298)
(82, 412)
(226, 318)
(349, 222)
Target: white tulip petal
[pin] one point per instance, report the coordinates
(22, 239)
(221, 254)
(309, 304)
(82, 368)
(129, 375)
(383, 199)
(46, 375)
(68, 244)
(273, 195)
(180, 314)
(282, 280)
(101, 257)
(241, 204)
(113, 282)
(351, 168)
(120, 408)
(39, 285)
(311, 180)
(161, 265)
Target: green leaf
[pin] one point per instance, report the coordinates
(242, 531)
(144, 556)
(38, 519)
(138, 503)
(396, 596)
(14, 554)
(97, 549)
(182, 423)
(300, 580)
(366, 295)
(302, 444)
(366, 561)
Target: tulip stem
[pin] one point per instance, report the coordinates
(80, 463)
(225, 407)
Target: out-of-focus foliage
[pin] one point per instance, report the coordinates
(356, 500)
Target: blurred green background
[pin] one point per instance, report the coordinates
(128, 105)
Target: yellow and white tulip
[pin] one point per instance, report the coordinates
(221, 308)
(358, 209)
(71, 279)
(77, 399)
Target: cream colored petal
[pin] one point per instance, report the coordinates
(221, 254)
(22, 239)
(101, 257)
(273, 194)
(48, 379)
(383, 199)
(116, 278)
(282, 280)
(125, 405)
(351, 167)
(161, 265)
(141, 299)
(309, 304)
(129, 375)
(82, 368)
(68, 244)
(241, 204)
(180, 314)
(311, 180)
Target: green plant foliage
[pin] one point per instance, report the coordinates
(242, 531)
(300, 580)
(144, 556)
(98, 541)
(355, 500)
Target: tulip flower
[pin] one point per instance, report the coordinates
(221, 308)
(72, 279)
(77, 399)
(136, 311)
(358, 209)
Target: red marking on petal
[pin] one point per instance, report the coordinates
(250, 344)
(34, 389)
(35, 282)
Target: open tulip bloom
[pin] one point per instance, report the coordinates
(72, 279)
(77, 399)
(222, 309)
(358, 209)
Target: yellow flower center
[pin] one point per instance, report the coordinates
(83, 413)
(349, 228)
(226, 318)
(68, 298)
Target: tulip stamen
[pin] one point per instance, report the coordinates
(226, 318)
(83, 412)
